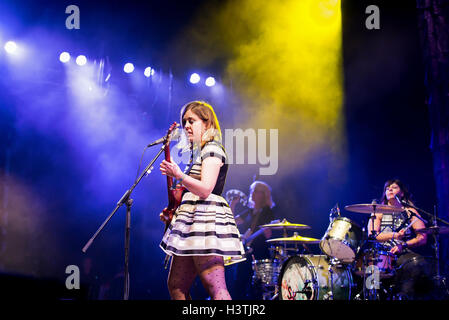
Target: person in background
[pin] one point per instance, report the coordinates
(260, 212)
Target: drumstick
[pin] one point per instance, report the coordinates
(411, 223)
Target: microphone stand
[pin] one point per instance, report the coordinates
(406, 204)
(125, 199)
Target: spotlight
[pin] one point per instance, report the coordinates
(195, 78)
(148, 72)
(81, 60)
(11, 47)
(128, 68)
(64, 57)
(210, 81)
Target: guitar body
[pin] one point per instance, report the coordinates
(174, 200)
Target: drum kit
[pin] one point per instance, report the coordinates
(352, 266)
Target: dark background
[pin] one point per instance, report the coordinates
(56, 184)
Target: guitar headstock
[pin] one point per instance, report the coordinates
(170, 131)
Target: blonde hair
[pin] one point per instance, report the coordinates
(207, 114)
(267, 194)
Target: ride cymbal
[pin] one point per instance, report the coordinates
(285, 225)
(434, 230)
(371, 208)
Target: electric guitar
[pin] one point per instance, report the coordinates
(174, 191)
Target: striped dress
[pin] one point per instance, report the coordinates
(202, 227)
(394, 222)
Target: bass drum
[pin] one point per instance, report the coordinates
(414, 277)
(308, 277)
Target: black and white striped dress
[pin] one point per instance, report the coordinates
(394, 222)
(202, 227)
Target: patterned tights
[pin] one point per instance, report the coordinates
(184, 269)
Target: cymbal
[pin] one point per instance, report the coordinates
(295, 239)
(228, 261)
(285, 225)
(370, 208)
(434, 230)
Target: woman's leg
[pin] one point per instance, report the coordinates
(180, 278)
(212, 275)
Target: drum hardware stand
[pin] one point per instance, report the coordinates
(126, 199)
(330, 294)
(440, 280)
(372, 236)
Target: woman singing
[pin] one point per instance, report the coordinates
(203, 229)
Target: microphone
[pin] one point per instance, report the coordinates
(174, 134)
(403, 202)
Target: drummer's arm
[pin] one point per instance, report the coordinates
(421, 238)
(267, 232)
(377, 221)
(380, 236)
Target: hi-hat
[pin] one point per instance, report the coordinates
(295, 239)
(434, 230)
(285, 225)
(373, 207)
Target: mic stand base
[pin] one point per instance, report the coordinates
(129, 203)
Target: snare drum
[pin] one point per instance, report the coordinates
(383, 260)
(311, 277)
(342, 240)
(267, 271)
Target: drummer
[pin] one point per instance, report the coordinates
(396, 230)
(261, 204)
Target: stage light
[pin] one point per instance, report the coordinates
(11, 47)
(148, 72)
(81, 60)
(128, 68)
(195, 78)
(210, 81)
(64, 57)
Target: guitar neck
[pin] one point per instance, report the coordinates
(167, 158)
(254, 235)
